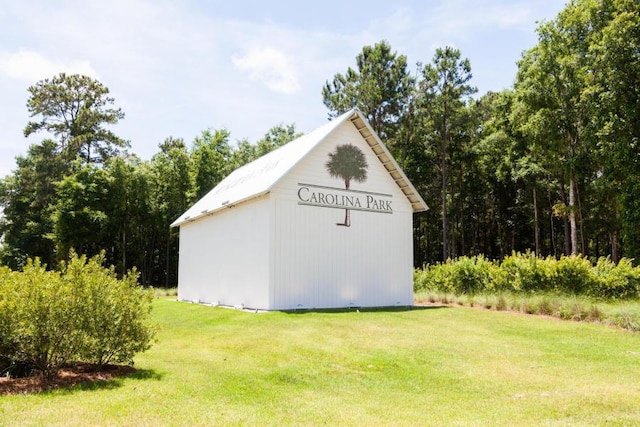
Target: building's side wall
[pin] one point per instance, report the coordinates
(224, 259)
(319, 264)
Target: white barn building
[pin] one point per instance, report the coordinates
(322, 222)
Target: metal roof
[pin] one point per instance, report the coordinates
(260, 176)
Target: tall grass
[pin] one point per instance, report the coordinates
(570, 288)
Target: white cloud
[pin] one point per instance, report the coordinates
(32, 66)
(463, 19)
(271, 67)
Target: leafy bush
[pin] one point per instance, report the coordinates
(526, 273)
(465, 275)
(42, 333)
(616, 281)
(115, 312)
(81, 313)
(569, 288)
(574, 275)
(7, 319)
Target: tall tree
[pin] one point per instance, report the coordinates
(579, 84)
(75, 109)
(27, 197)
(444, 91)
(379, 87)
(172, 192)
(129, 224)
(81, 214)
(613, 93)
(210, 156)
(276, 137)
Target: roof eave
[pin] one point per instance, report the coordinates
(208, 212)
(387, 160)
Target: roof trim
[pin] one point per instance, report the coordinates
(259, 177)
(387, 160)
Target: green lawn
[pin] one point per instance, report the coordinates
(432, 366)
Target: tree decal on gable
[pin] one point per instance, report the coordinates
(349, 163)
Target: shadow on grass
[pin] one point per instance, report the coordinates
(105, 384)
(392, 309)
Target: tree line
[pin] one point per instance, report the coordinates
(82, 190)
(550, 165)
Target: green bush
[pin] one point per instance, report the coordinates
(616, 281)
(44, 333)
(465, 275)
(82, 313)
(8, 338)
(526, 273)
(114, 322)
(574, 275)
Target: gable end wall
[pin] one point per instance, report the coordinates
(319, 264)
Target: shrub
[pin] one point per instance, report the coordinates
(7, 320)
(465, 275)
(81, 313)
(115, 312)
(526, 272)
(615, 281)
(574, 275)
(45, 333)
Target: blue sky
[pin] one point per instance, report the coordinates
(179, 67)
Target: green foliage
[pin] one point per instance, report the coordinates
(82, 313)
(617, 281)
(75, 109)
(275, 138)
(80, 216)
(380, 87)
(43, 331)
(575, 275)
(210, 157)
(27, 198)
(8, 317)
(465, 275)
(528, 274)
(115, 312)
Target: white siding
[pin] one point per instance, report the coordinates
(319, 264)
(224, 258)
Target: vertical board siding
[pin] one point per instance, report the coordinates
(321, 265)
(274, 253)
(318, 264)
(224, 259)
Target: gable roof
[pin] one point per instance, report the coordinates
(260, 176)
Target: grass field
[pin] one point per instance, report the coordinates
(429, 366)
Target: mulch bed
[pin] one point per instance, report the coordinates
(67, 377)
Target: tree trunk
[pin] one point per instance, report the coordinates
(124, 252)
(166, 271)
(583, 243)
(565, 221)
(552, 228)
(536, 224)
(443, 165)
(614, 247)
(572, 216)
